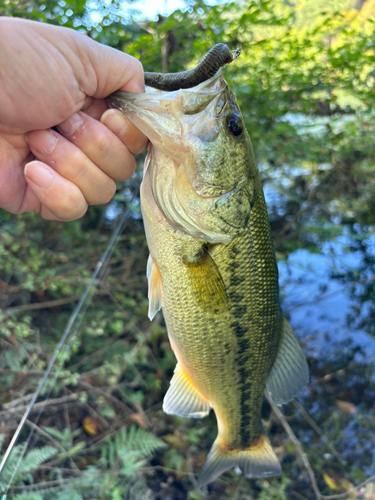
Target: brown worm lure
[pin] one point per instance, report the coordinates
(217, 57)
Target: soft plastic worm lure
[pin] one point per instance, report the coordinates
(217, 57)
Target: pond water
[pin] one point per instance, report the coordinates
(317, 303)
(328, 298)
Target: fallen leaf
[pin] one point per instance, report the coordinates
(346, 406)
(176, 440)
(330, 482)
(91, 426)
(139, 419)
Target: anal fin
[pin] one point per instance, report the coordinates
(183, 399)
(290, 373)
(259, 460)
(154, 288)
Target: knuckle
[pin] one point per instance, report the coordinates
(75, 166)
(103, 143)
(138, 66)
(68, 105)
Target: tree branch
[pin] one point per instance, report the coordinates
(297, 446)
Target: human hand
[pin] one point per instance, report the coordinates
(56, 77)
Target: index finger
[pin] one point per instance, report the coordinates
(117, 123)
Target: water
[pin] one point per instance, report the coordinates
(317, 303)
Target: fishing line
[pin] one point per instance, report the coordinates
(79, 312)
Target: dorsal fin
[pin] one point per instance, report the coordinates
(290, 373)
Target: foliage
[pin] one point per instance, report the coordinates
(30, 462)
(305, 82)
(129, 448)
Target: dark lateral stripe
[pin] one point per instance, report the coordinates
(243, 355)
(240, 327)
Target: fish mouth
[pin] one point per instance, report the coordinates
(168, 119)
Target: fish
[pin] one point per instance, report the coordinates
(212, 269)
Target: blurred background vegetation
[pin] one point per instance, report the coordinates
(305, 82)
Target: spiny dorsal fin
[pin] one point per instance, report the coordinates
(183, 399)
(154, 288)
(290, 373)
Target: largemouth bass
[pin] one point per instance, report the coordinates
(213, 271)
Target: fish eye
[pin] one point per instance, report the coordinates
(235, 125)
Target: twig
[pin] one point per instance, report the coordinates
(190, 468)
(51, 303)
(28, 373)
(109, 342)
(305, 460)
(332, 375)
(289, 225)
(46, 435)
(60, 482)
(164, 469)
(298, 495)
(319, 431)
(114, 400)
(330, 294)
(49, 402)
(44, 305)
(297, 446)
(15, 402)
(56, 482)
(97, 415)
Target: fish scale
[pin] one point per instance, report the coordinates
(212, 269)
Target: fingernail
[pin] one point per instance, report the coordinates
(43, 141)
(39, 174)
(115, 121)
(69, 126)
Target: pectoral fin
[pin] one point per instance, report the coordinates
(290, 373)
(206, 282)
(154, 288)
(183, 399)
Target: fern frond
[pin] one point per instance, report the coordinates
(32, 460)
(36, 457)
(28, 496)
(141, 440)
(136, 443)
(69, 494)
(137, 489)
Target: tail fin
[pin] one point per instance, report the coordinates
(259, 460)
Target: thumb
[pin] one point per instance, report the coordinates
(110, 69)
